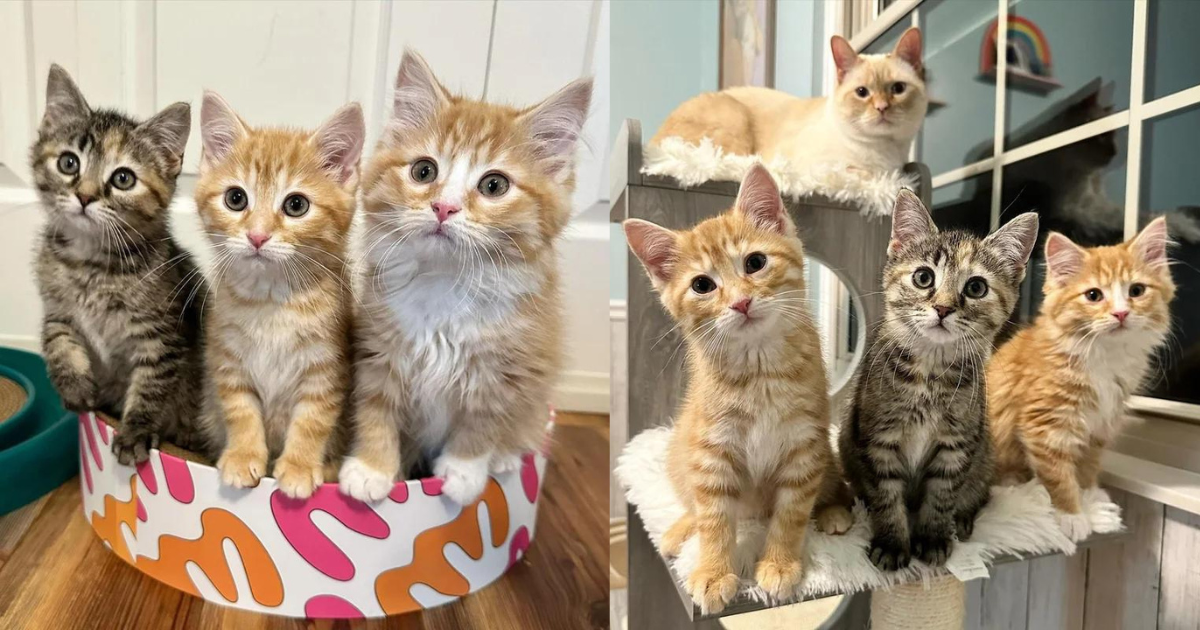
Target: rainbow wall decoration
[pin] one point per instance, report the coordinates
(325, 557)
(1029, 62)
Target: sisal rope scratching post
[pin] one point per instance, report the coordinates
(12, 398)
(940, 606)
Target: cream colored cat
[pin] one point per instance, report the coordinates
(868, 123)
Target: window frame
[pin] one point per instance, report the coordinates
(876, 22)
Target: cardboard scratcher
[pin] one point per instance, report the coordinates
(329, 556)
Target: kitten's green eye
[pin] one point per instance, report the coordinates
(424, 171)
(923, 278)
(1137, 289)
(123, 179)
(68, 163)
(493, 185)
(1093, 295)
(862, 92)
(755, 262)
(703, 284)
(976, 288)
(236, 199)
(295, 206)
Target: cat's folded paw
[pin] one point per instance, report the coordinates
(357, 479)
(888, 553)
(779, 578)
(834, 519)
(133, 442)
(78, 393)
(511, 462)
(242, 468)
(712, 589)
(932, 549)
(465, 478)
(1075, 526)
(677, 534)
(298, 479)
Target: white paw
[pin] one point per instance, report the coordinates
(465, 479)
(507, 463)
(1075, 526)
(358, 480)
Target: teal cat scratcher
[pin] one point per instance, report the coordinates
(39, 441)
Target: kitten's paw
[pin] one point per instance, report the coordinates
(358, 480)
(465, 478)
(78, 394)
(242, 468)
(1075, 526)
(779, 579)
(677, 534)
(298, 479)
(964, 526)
(507, 463)
(834, 519)
(133, 442)
(712, 589)
(888, 554)
(932, 549)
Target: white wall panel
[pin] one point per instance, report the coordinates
(452, 36)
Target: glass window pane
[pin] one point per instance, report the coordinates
(964, 205)
(886, 42)
(960, 124)
(1173, 47)
(1078, 190)
(1170, 186)
(1069, 63)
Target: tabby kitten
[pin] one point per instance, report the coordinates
(1057, 390)
(121, 329)
(915, 445)
(751, 436)
(869, 122)
(460, 327)
(277, 205)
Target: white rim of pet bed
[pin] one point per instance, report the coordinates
(1018, 521)
(874, 193)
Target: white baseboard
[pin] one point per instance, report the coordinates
(584, 392)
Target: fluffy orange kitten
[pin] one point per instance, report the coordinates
(277, 206)
(1057, 390)
(460, 326)
(751, 437)
(868, 123)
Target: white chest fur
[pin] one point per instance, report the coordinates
(1116, 368)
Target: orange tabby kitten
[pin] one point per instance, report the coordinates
(1057, 390)
(751, 437)
(869, 122)
(277, 206)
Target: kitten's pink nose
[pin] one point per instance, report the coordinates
(84, 200)
(742, 306)
(881, 106)
(444, 210)
(1120, 315)
(257, 239)
(943, 311)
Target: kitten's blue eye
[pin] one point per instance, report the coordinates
(898, 88)
(1137, 289)
(236, 199)
(1093, 295)
(923, 278)
(703, 284)
(755, 262)
(123, 179)
(424, 171)
(862, 92)
(68, 163)
(976, 288)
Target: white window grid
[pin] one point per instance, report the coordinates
(1134, 119)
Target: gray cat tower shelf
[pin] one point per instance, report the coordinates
(834, 233)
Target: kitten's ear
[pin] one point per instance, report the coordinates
(910, 221)
(844, 56)
(339, 142)
(64, 101)
(1014, 240)
(654, 245)
(557, 123)
(220, 129)
(418, 95)
(1064, 258)
(1151, 243)
(758, 198)
(169, 131)
(908, 49)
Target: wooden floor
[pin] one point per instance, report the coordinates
(55, 573)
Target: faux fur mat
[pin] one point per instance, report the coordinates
(1019, 520)
(692, 165)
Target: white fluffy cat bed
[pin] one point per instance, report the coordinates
(691, 165)
(1018, 521)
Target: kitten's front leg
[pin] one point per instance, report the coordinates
(300, 469)
(797, 487)
(244, 461)
(156, 359)
(370, 472)
(713, 583)
(1054, 464)
(68, 363)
